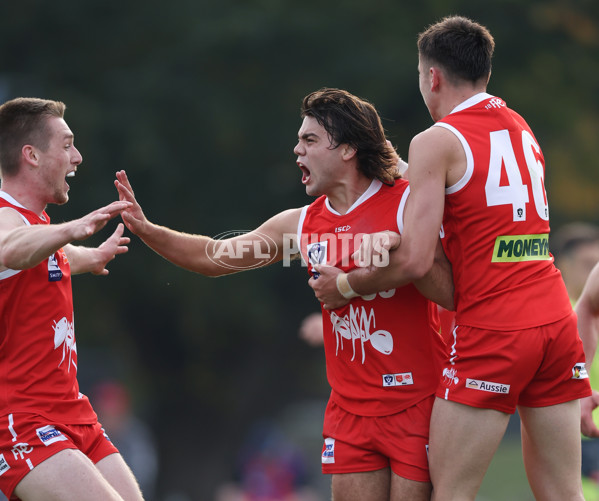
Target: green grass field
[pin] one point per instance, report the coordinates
(505, 479)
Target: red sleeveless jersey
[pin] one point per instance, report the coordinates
(383, 351)
(496, 223)
(38, 353)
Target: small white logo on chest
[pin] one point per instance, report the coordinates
(64, 334)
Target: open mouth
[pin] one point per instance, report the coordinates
(71, 174)
(305, 173)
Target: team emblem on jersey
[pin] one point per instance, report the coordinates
(579, 371)
(64, 334)
(356, 327)
(450, 376)
(54, 273)
(317, 254)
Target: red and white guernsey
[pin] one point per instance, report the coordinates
(496, 223)
(383, 351)
(38, 353)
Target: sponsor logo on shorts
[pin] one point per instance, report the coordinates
(328, 454)
(4, 466)
(579, 371)
(514, 248)
(401, 379)
(476, 384)
(48, 435)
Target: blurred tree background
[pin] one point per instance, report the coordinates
(199, 102)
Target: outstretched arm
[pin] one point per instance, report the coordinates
(23, 246)
(94, 259)
(587, 309)
(201, 254)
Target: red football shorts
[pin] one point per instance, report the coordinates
(499, 370)
(355, 444)
(27, 439)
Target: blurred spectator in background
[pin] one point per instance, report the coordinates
(129, 434)
(311, 330)
(270, 468)
(575, 247)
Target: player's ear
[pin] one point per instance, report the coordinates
(348, 152)
(436, 77)
(30, 154)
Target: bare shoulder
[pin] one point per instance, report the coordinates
(438, 150)
(10, 219)
(439, 138)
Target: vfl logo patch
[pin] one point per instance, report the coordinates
(476, 384)
(579, 371)
(54, 273)
(515, 248)
(401, 379)
(4, 466)
(48, 435)
(328, 452)
(317, 254)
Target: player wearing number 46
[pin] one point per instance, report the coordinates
(383, 352)
(479, 171)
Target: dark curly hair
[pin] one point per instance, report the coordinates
(354, 121)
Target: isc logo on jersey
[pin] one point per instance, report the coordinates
(401, 379)
(48, 435)
(476, 384)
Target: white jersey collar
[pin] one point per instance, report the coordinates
(471, 101)
(11, 200)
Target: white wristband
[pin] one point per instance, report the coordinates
(344, 288)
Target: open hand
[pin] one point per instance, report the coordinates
(133, 217)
